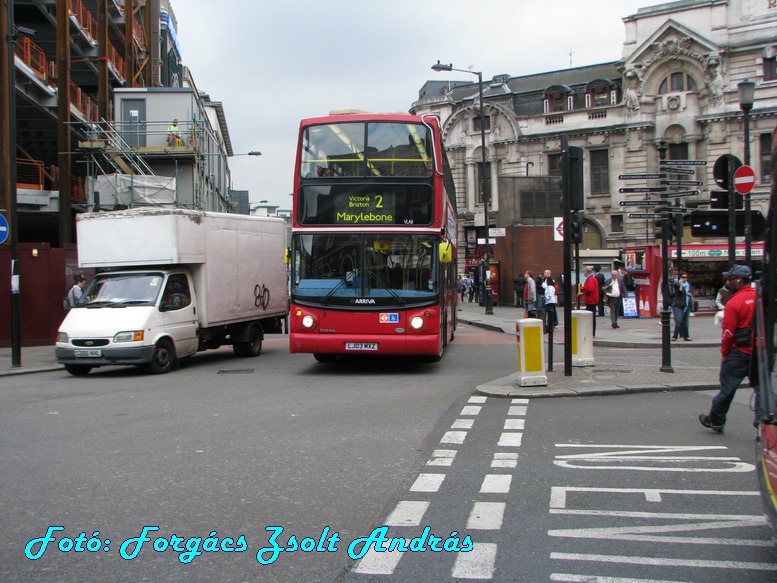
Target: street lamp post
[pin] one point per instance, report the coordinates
(746, 98)
(487, 299)
(16, 345)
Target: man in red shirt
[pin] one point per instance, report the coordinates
(736, 347)
(591, 293)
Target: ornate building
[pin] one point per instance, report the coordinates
(676, 82)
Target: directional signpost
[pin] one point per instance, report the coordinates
(640, 202)
(646, 216)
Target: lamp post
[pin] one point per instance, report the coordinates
(16, 345)
(487, 301)
(746, 98)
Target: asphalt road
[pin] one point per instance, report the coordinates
(332, 452)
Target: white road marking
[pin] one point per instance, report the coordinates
(407, 513)
(520, 401)
(442, 457)
(455, 437)
(558, 494)
(486, 516)
(665, 561)
(515, 424)
(479, 563)
(504, 460)
(375, 563)
(427, 483)
(463, 424)
(508, 439)
(477, 399)
(471, 410)
(567, 578)
(496, 484)
(517, 411)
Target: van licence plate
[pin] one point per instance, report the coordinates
(87, 353)
(361, 345)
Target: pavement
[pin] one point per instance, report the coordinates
(694, 364)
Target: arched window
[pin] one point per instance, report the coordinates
(558, 98)
(677, 82)
(600, 93)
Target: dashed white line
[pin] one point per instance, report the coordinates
(375, 563)
(471, 410)
(479, 563)
(427, 483)
(486, 516)
(520, 401)
(504, 460)
(496, 484)
(666, 561)
(477, 399)
(517, 410)
(455, 437)
(515, 424)
(442, 457)
(407, 513)
(463, 424)
(510, 439)
(568, 578)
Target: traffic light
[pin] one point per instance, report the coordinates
(576, 231)
(671, 228)
(715, 224)
(724, 169)
(576, 196)
(719, 200)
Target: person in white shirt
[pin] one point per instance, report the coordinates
(614, 291)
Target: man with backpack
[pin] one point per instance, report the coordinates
(75, 292)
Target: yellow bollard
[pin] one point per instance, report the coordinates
(582, 338)
(531, 352)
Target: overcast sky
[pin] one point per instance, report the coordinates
(272, 63)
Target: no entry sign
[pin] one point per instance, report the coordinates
(744, 179)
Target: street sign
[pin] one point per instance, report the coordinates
(682, 162)
(644, 189)
(719, 200)
(744, 179)
(497, 232)
(682, 183)
(3, 229)
(642, 176)
(672, 209)
(680, 193)
(720, 169)
(646, 216)
(641, 202)
(683, 171)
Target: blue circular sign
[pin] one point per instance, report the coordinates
(3, 229)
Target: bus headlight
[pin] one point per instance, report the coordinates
(416, 322)
(308, 321)
(129, 336)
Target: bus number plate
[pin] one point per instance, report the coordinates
(87, 353)
(361, 345)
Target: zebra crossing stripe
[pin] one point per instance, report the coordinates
(517, 410)
(477, 399)
(463, 424)
(471, 410)
(442, 457)
(454, 437)
(504, 460)
(479, 563)
(515, 424)
(510, 439)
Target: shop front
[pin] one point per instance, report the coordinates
(704, 264)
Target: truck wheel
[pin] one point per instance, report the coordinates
(78, 370)
(251, 348)
(163, 359)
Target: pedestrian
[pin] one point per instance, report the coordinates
(75, 292)
(601, 279)
(462, 287)
(736, 348)
(591, 293)
(681, 308)
(614, 292)
(530, 296)
(551, 318)
(720, 301)
(519, 285)
(470, 288)
(540, 285)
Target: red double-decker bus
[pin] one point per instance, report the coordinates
(374, 229)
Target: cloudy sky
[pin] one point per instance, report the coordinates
(272, 63)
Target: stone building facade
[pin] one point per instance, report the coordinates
(676, 82)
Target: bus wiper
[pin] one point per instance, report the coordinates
(326, 298)
(384, 285)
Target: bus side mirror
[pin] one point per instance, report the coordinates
(445, 251)
(287, 256)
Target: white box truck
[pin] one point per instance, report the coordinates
(172, 282)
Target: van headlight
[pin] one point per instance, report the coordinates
(129, 336)
(63, 337)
